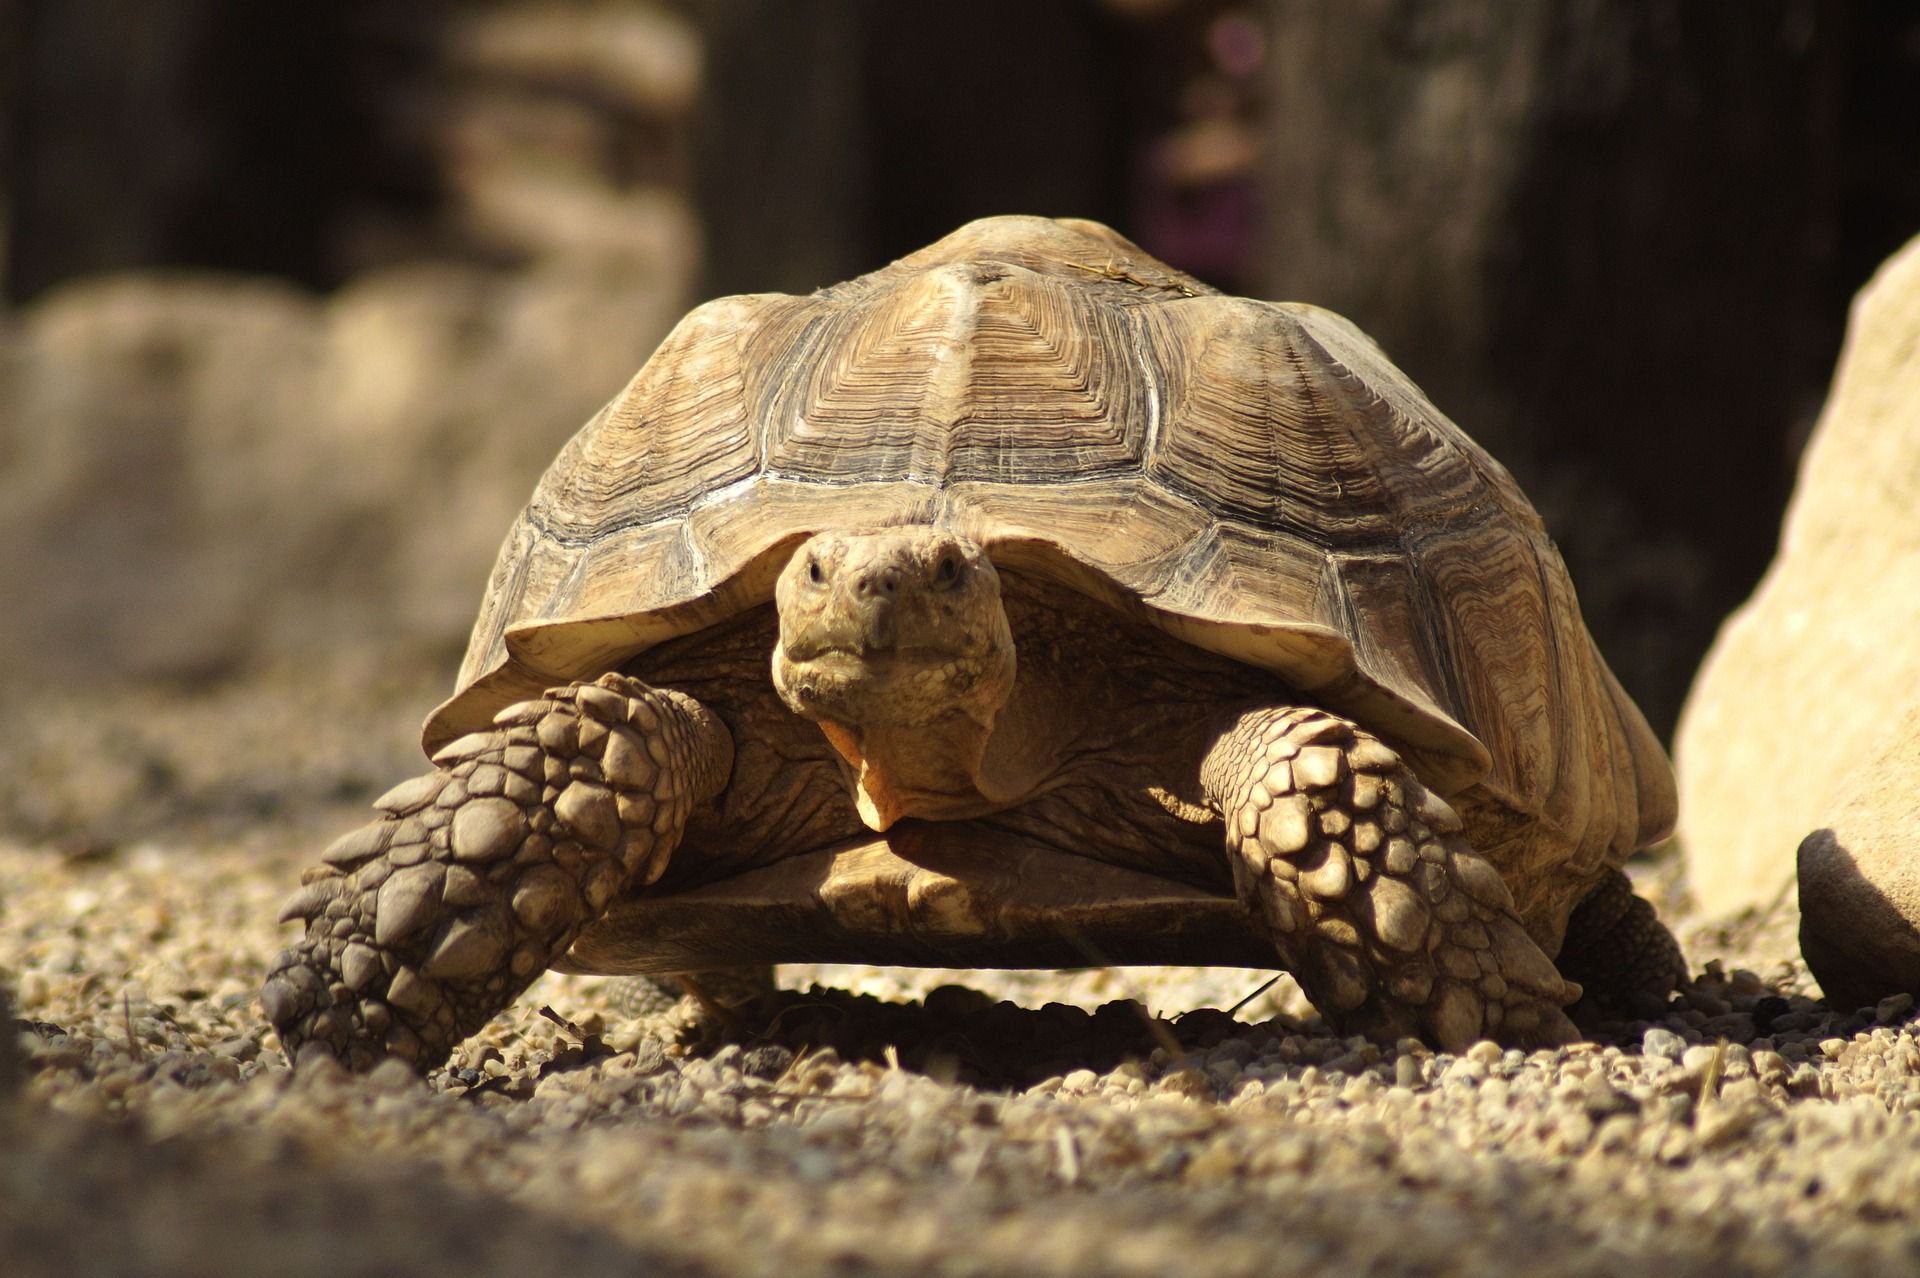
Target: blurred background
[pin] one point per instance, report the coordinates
(300, 299)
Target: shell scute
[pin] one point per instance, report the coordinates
(1255, 478)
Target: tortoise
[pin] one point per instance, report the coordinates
(1023, 603)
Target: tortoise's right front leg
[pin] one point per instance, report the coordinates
(425, 924)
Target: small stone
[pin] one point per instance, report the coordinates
(1720, 1125)
(588, 811)
(411, 796)
(393, 1076)
(1486, 1052)
(1894, 1007)
(1662, 1043)
(1318, 767)
(487, 829)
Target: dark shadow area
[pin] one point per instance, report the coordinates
(960, 1035)
(213, 134)
(108, 1200)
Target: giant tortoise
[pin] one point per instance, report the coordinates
(1023, 603)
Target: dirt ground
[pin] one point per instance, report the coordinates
(883, 1122)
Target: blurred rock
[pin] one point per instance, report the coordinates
(1823, 659)
(205, 472)
(1860, 878)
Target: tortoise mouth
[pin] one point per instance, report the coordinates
(889, 685)
(884, 659)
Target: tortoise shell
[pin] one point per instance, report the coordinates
(1255, 478)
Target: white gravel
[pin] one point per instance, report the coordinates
(154, 1129)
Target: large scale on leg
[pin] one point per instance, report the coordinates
(1105, 604)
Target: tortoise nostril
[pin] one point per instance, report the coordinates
(880, 584)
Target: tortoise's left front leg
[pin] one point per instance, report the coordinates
(1390, 921)
(425, 924)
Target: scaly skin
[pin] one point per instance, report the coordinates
(1393, 925)
(425, 924)
(1620, 952)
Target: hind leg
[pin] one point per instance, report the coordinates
(1389, 919)
(1619, 951)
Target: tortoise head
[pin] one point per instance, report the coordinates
(896, 627)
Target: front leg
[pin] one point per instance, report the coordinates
(1393, 925)
(425, 924)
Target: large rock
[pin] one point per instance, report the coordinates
(1814, 669)
(201, 473)
(1860, 877)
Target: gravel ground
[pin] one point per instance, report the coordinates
(883, 1121)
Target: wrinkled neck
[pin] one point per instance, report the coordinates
(935, 771)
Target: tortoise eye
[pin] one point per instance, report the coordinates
(813, 572)
(949, 570)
